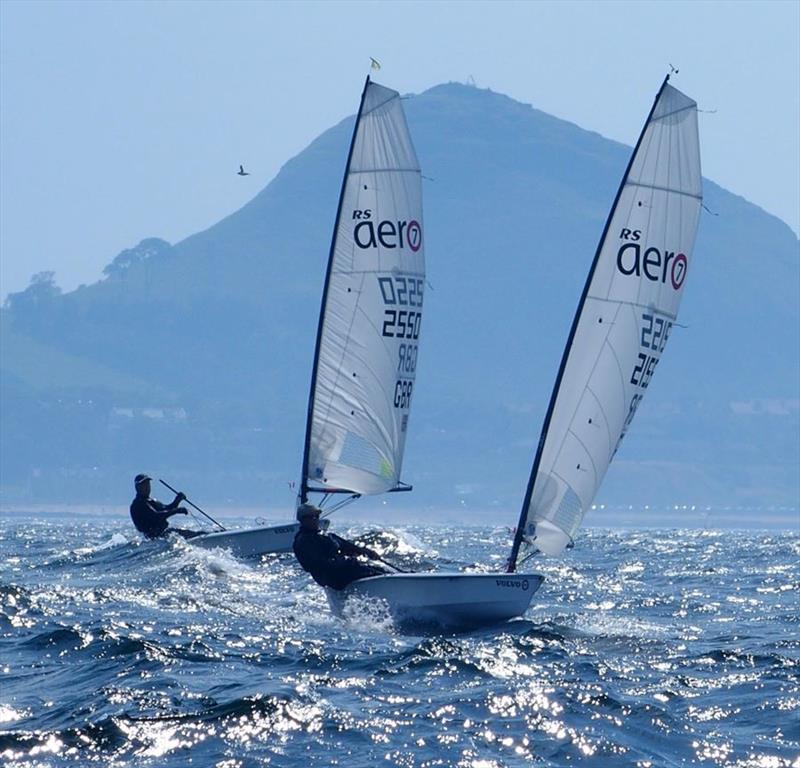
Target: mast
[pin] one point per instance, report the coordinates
(518, 535)
(310, 412)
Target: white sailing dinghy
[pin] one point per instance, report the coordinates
(624, 318)
(365, 359)
(250, 542)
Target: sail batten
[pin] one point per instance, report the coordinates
(387, 170)
(365, 366)
(664, 189)
(624, 319)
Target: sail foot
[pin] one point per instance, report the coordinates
(549, 538)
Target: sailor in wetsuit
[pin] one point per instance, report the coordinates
(150, 516)
(330, 559)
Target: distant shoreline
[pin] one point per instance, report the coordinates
(723, 518)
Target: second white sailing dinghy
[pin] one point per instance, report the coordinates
(250, 542)
(365, 360)
(624, 318)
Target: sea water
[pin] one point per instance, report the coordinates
(642, 648)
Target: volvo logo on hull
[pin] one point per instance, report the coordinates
(515, 583)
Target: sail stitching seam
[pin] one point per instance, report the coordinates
(602, 412)
(329, 405)
(588, 379)
(386, 394)
(396, 191)
(621, 375)
(583, 445)
(650, 210)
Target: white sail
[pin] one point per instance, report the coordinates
(372, 310)
(625, 318)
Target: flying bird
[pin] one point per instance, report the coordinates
(242, 171)
(375, 63)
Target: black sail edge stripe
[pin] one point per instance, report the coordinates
(310, 411)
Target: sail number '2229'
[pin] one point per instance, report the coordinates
(402, 317)
(655, 332)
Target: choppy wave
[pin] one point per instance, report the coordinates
(643, 648)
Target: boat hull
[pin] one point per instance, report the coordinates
(448, 600)
(253, 542)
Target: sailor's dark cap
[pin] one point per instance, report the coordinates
(308, 510)
(139, 479)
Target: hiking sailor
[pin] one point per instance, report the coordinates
(150, 516)
(330, 559)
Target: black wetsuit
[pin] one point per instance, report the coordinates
(330, 559)
(150, 517)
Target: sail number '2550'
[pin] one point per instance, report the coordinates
(402, 317)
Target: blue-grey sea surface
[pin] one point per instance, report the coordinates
(643, 648)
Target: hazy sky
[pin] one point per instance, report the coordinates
(126, 120)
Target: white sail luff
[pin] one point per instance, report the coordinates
(624, 322)
(366, 366)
